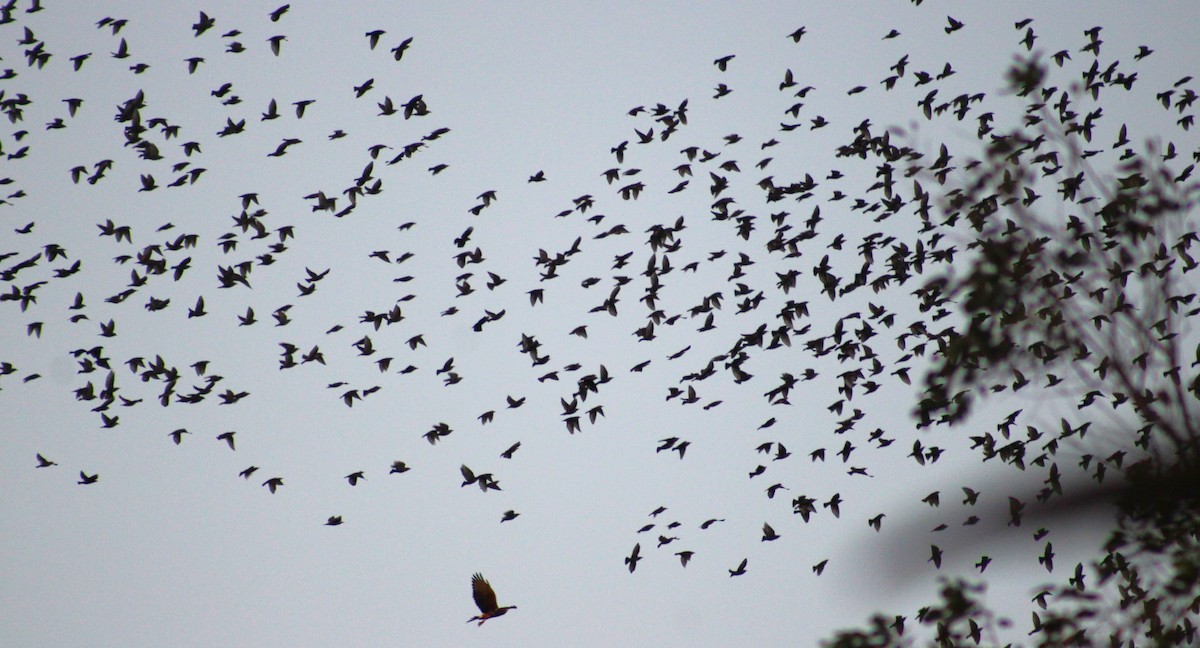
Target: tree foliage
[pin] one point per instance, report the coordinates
(1078, 283)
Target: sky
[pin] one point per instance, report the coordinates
(170, 546)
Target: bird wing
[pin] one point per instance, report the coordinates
(485, 598)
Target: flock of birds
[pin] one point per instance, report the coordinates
(788, 244)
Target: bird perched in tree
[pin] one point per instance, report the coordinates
(485, 599)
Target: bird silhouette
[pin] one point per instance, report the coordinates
(632, 559)
(227, 437)
(769, 533)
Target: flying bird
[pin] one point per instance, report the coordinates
(485, 600)
(632, 559)
(769, 533)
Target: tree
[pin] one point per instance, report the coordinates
(1090, 298)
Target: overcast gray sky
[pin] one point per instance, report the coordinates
(171, 547)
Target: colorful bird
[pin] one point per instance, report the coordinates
(485, 599)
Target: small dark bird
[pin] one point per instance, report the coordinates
(354, 477)
(684, 557)
(509, 515)
(273, 483)
(301, 106)
(971, 496)
(632, 559)
(44, 462)
(85, 478)
(399, 467)
(1047, 557)
(399, 50)
(769, 533)
(741, 568)
(227, 437)
(334, 520)
(485, 600)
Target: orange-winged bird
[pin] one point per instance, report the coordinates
(485, 598)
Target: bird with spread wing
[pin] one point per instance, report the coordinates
(485, 598)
